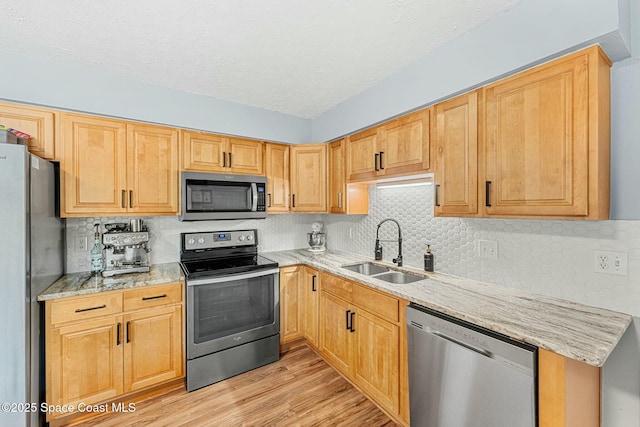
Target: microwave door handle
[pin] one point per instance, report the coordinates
(254, 197)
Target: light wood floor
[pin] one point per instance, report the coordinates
(298, 390)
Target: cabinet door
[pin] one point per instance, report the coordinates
(363, 159)
(537, 151)
(405, 145)
(152, 169)
(311, 290)
(37, 122)
(84, 362)
(335, 339)
(203, 152)
(153, 347)
(456, 177)
(93, 165)
(377, 359)
(309, 178)
(277, 169)
(245, 156)
(337, 177)
(291, 298)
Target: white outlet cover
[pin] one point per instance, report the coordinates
(488, 249)
(606, 262)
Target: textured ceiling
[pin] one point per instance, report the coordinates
(300, 57)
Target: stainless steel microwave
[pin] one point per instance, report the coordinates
(212, 196)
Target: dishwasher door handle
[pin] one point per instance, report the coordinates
(478, 350)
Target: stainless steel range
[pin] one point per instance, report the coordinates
(233, 305)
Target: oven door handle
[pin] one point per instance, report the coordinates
(231, 278)
(254, 197)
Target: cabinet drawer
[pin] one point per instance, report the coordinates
(152, 296)
(337, 286)
(74, 309)
(377, 303)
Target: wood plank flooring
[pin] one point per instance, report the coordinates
(298, 390)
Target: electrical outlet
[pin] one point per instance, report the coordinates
(350, 233)
(611, 263)
(488, 249)
(80, 244)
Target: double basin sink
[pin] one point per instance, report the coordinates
(383, 273)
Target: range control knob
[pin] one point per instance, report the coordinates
(201, 240)
(241, 238)
(191, 241)
(249, 237)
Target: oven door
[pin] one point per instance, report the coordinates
(228, 311)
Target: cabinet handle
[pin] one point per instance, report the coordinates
(224, 159)
(293, 200)
(348, 326)
(154, 297)
(80, 310)
(351, 328)
(122, 198)
(229, 159)
(269, 196)
(119, 334)
(375, 161)
(437, 191)
(313, 283)
(487, 193)
(340, 200)
(381, 166)
(130, 198)
(128, 332)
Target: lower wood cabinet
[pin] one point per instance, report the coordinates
(311, 283)
(96, 350)
(362, 334)
(291, 296)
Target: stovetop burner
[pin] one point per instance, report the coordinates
(220, 253)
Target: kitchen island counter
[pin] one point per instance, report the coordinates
(580, 332)
(76, 284)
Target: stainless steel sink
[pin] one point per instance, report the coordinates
(398, 277)
(367, 268)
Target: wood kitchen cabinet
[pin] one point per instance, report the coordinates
(111, 167)
(309, 178)
(277, 170)
(396, 148)
(291, 304)
(362, 334)
(455, 130)
(208, 152)
(547, 140)
(103, 346)
(311, 285)
(343, 198)
(39, 123)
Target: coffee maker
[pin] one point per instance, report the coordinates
(126, 248)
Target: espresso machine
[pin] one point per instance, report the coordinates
(126, 248)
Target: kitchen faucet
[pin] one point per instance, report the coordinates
(378, 249)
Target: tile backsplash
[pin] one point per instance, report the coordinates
(549, 257)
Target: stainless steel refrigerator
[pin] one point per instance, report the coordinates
(31, 259)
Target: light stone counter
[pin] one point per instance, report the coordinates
(580, 332)
(76, 284)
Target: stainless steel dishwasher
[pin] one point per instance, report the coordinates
(461, 375)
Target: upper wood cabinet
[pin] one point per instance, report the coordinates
(207, 152)
(37, 122)
(547, 140)
(343, 198)
(309, 178)
(277, 170)
(396, 148)
(455, 131)
(109, 167)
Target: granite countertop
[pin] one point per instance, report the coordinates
(75, 284)
(580, 332)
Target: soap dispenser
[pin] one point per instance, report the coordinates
(428, 259)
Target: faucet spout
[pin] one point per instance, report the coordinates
(378, 248)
